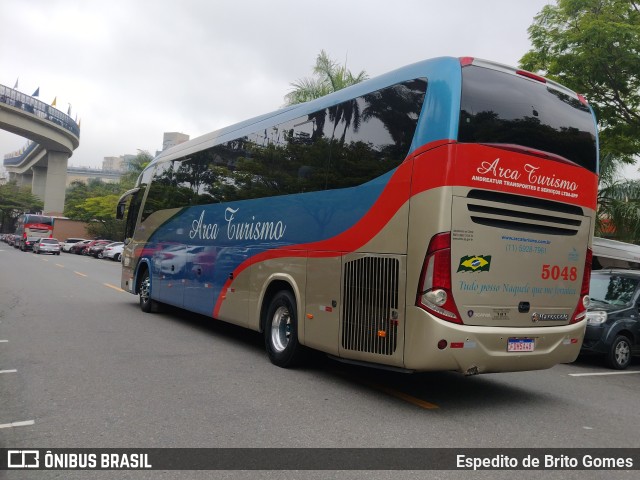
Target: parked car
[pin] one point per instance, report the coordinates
(47, 245)
(613, 316)
(28, 243)
(78, 247)
(69, 242)
(113, 251)
(96, 249)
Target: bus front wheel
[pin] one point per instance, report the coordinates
(281, 331)
(147, 305)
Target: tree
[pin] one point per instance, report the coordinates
(618, 204)
(95, 202)
(593, 47)
(329, 77)
(79, 193)
(135, 167)
(14, 201)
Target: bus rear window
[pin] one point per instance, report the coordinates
(502, 108)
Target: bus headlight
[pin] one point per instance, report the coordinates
(597, 317)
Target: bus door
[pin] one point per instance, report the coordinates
(234, 282)
(169, 265)
(199, 287)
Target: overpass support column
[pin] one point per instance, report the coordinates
(39, 183)
(56, 182)
(24, 179)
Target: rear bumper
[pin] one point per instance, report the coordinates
(473, 349)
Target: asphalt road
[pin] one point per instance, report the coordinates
(82, 366)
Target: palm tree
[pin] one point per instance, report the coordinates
(618, 204)
(329, 77)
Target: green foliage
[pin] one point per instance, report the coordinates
(95, 202)
(593, 47)
(128, 180)
(329, 77)
(14, 201)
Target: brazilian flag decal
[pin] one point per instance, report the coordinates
(475, 263)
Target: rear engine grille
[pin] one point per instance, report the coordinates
(370, 308)
(525, 214)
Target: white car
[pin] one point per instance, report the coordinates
(47, 245)
(113, 251)
(70, 242)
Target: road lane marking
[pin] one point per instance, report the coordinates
(4, 341)
(394, 393)
(81, 274)
(8, 371)
(25, 423)
(404, 396)
(631, 372)
(59, 265)
(114, 287)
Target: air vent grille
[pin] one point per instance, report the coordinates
(370, 308)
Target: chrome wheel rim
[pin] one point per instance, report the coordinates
(145, 286)
(622, 353)
(281, 329)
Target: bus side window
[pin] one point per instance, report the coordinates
(373, 133)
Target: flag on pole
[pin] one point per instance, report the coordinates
(36, 93)
(16, 85)
(69, 110)
(53, 104)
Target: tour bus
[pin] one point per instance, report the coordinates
(34, 227)
(438, 217)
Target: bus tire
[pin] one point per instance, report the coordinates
(281, 331)
(147, 304)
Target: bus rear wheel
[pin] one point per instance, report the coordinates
(281, 331)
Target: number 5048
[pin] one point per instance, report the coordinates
(556, 272)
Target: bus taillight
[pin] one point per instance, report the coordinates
(434, 290)
(583, 301)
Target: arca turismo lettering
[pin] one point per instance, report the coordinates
(236, 230)
(203, 231)
(252, 230)
(531, 174)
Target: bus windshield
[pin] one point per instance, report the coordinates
(496, 109)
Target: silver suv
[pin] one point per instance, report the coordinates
(47, 245)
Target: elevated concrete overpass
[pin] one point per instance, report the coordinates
(55, 136)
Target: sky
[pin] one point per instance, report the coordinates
(131, 70)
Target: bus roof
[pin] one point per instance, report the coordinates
(443, 67)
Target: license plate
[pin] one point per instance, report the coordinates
(521, 345)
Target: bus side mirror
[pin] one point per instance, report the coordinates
(120, 211)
